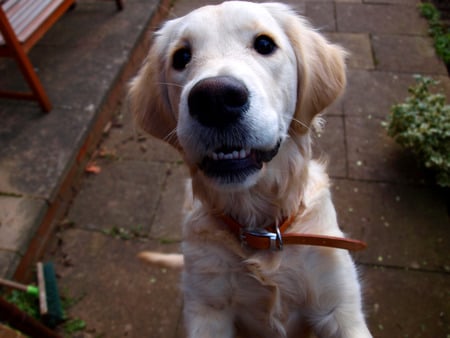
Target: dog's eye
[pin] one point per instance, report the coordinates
(181, 58)
(264, 45)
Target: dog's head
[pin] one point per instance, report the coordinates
(228, 84)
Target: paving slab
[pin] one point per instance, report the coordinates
(321, 15)
(34, 161)
(18, 221)
(372, 93)
(125, 140)
(183, 7)
(113, 33)
(20, 217)
(373, 155)
(9, 260)
(168, 218)
(404, 226)
(380, 19)
(402, 303)
(329, 145)
(358, 47)
(124, 195)
(12, 78)
(114, 293)
(409, 54)
(335, 109)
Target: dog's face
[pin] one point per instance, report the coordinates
(228, 84)
(235, 83)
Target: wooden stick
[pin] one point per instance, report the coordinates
(42, 293)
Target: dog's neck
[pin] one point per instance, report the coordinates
(276, 196)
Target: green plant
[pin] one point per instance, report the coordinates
(437, 30)
(30, 305)
(422, 125)
(24, 301)
(73, 325)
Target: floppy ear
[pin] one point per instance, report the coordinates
(320, 66)
(148, 97)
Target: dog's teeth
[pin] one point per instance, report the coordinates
(235, 155)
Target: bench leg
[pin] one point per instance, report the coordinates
(33, 81)
(16, 51)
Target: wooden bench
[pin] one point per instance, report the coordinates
(22, 24)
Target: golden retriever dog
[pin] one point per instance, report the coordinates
(236, 89)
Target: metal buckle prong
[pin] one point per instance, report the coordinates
(279, 239)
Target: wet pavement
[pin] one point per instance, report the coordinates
(102, 220)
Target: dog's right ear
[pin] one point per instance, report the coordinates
(148, 96)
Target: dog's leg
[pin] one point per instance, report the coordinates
(207, 292)
(343, 322)
(337, 306)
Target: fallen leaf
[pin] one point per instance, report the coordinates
(93, 168)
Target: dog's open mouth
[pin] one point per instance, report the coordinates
(234, 165)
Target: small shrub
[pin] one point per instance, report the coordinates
(422, 125)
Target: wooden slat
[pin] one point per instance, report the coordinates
(28, 12)
(27, 16)
(7, 5)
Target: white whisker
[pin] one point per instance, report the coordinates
(170, 84)
(171, 136)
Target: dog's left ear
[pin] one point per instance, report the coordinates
(320, 65)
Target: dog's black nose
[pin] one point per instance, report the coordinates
(218, 101)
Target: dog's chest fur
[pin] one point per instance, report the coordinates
(264, 289)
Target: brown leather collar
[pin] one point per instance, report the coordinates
(274, 237)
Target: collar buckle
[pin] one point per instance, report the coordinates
(275, 239)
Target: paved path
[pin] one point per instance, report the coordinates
(381, 196)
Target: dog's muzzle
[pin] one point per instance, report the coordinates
(220, 104)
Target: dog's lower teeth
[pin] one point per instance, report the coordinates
(235, 155)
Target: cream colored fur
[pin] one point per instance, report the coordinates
(228, 288)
